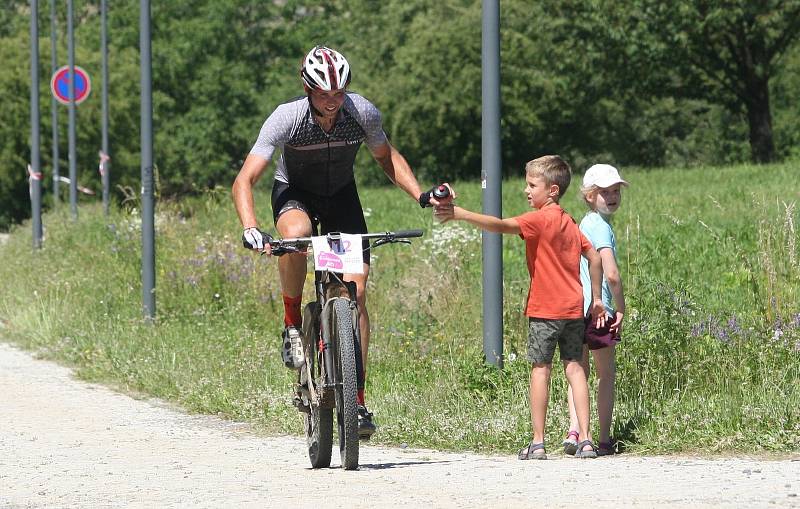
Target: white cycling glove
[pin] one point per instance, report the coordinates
(253, 238)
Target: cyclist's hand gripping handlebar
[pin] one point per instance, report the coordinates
(253, 238)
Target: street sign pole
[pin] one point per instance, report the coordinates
(104, 160)
(34, 174)
(148, 215)
(491, 182)
(54, 104)
(73, 172)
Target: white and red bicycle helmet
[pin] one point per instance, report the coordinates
(325, 69)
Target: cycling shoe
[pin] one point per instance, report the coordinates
(292, 348)
(365, 425)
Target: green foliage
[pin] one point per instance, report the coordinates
(591, 80)
(709, 360)
(14, 147)
(721, 52)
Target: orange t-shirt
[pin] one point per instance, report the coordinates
(553, 247)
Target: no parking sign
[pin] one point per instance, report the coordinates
(59, 84)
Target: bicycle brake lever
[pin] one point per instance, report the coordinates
(282, 250)
(390, 240)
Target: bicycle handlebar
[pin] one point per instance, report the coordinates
(281, 247)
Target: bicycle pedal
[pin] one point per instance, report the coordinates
(301, 407)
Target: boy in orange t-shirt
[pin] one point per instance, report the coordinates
(553, 247)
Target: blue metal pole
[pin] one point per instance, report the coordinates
(35, 175)
(106, 167)
(54, 104)
(73, 172)
(491, 183)
(148, 213)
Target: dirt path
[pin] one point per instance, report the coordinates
(66, 443)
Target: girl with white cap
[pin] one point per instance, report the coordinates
(602, 192)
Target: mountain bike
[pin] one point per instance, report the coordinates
(332, 346)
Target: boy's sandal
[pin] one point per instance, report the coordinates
(571, 443)
(605, 449)
(529, 452)
(591, 453)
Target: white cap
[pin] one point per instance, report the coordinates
(602, 175)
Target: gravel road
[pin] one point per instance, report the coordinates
(67, 443)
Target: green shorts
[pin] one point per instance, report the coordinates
(544, 334)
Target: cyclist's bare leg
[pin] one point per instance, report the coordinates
(292, 267)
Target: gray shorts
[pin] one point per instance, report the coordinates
(544, 334)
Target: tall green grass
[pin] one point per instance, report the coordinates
(710, 359)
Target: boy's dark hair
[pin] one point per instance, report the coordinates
(553, 169)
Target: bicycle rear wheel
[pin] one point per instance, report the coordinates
(318, 422)
(346, 390)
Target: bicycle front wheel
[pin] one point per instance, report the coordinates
(346, 390)
(319, 421)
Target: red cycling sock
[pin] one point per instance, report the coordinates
(291, 311)
(360, 397)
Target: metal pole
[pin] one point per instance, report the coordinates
(73, 172)
(104, 162)
(491, 183)
(34, 174)
(54, 103)
(148, 216)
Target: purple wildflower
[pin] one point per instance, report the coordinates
(733, 326)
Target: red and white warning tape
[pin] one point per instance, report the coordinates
(34, 175)
(104, 158)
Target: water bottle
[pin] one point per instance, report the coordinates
(441, 192)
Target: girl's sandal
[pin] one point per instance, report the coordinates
(591, 453)
(571, 443)
(529, 452)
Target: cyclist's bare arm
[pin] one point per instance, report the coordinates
(482, 221)
(397, 169)
(252, 169)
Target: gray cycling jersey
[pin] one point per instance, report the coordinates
(311, 159)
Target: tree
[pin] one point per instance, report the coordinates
(723, 51)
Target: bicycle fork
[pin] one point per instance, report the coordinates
(328, 347)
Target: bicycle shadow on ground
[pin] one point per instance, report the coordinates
(399, 464)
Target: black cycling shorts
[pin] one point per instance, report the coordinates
(341, 212)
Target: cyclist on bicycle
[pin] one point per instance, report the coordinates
(318, 136)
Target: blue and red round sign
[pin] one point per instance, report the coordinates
(59, 84)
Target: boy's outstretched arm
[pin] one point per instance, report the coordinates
(597, 309)
(482, 221)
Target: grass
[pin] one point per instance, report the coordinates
(710, 359)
